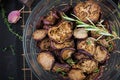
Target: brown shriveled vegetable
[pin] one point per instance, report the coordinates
(46, 60)
(39, 34)
(88, 9)
(51, 18)
(60, 68)
(76, 74)
(80, 33)
(86, 65)
(61, 33)
(87, 45)
(68, 43)
(44, 44)
(101, 54)
(67, 53)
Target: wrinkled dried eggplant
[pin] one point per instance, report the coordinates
(46, 60)
(76, 74)
(80, 33)
(87, 45)
(89, 9)
(39, 34)
(45, 44)
(61, 33)
(51, 18)
(101, 54)
(86, 65)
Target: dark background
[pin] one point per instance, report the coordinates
(11, 64)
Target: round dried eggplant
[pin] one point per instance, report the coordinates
(88, 9)
(80, 33)
(87, 45)
(39, 34)
(101, 54)
(76, 74)
(45, 44)
(46, 60)
(88, 66)
(61, 33)
(51, 18)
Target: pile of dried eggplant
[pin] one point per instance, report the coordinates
(72, 45)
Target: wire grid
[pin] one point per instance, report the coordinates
(26, 70)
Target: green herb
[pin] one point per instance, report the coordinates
(88, 42)
(92, 27)
(11, 78)
(11, 47)
(8, 24)
(70, 61)
(110, 47)
(119, 8)
(63, 73)
(119, 5)
(97, 70)
(59, 70)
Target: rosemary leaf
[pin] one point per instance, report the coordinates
(83, 25)
(76, 17)
(67, 18)
(105, 33)
(91, 29)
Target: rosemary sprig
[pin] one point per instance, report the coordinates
(92, 27)
(9, 25)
